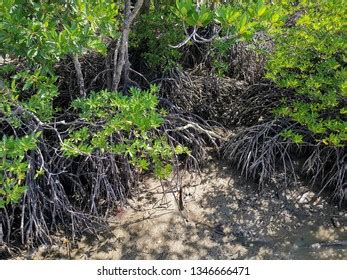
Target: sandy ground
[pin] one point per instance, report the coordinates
(223, 217)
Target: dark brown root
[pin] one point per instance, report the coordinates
(95, 73)
(227, 101)
(75, 195)
(72, 196)
(259, 150)
(247, 60)
(204, 94)
(327, 168)
(257, 102)
(191, 131)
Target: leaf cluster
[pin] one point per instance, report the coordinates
(109, 114)
(241, 18)
(13, 166)
(310, 57)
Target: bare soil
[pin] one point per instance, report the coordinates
(222, 217)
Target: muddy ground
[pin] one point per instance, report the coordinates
(222, 217)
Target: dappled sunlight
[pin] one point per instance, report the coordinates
(223, 217)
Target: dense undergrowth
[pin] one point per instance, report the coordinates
(95, 93)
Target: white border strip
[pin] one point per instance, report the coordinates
(88, 270)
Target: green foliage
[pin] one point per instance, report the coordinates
(241, 18)
(188, 12)
(39, 34)
(6, 69)
(41, 90)
(13, 166)
(236, 20)
(43, 32)
(220, 56)
(107, 114)
(310, 57)
(153, 34)
(289, 134)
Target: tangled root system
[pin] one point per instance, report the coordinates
(72, 196)
(257, 151)
(96, 73)
(189, 130)
(327, 168)
(227, 101)
(247, 60)
(257, 102)
(204, 94)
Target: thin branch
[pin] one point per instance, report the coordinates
(197, 127)
(117, 69)
(142, 76)
(183, 43)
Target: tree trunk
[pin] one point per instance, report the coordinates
(79, 74)
(121, 57)
(108, 62)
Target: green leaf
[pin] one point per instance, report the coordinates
(275, 17)
(261, 11)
